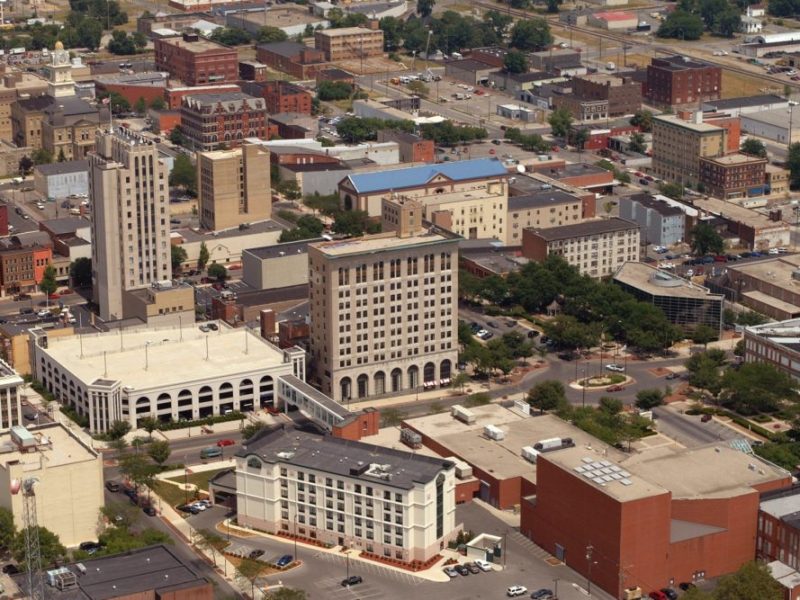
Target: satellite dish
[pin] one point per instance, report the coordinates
(520, 168)
(16, 484)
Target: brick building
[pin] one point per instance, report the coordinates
(649, 519)
(209, 120)
(292, 58)
(679, 80)
(679, 144)
(174, 95)
(195, 60)
(347, 43)
(623, 94)
(779, 527)
(23, 261)
(733, 176)
(413, 148)
(281, 96)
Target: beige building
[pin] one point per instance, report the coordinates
(597, 248)
(468, 197)
(69, 493)
(129, 191)
(678, 146)
(384, 310)
(546, 208)
(163, 303)
(234, 186)
(10, 401)
(348, 43)
(276, 266)
(390, 503)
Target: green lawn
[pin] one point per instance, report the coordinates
(175, 495)
(200, 479)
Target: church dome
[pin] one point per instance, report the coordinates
(59, 45)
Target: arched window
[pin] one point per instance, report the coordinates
(380, 383)
(362, 383)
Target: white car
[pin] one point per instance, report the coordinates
(773, 251)
(616, 368)
(516, 590)
(43, 313)
(483, 565)
(481, 333)
(199, 506)
(689, 273)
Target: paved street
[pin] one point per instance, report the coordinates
(689, 430)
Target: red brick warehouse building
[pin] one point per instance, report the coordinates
(651, 519)
(195, 60)
(281, 96)
(679, 80)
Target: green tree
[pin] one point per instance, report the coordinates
(118, 429)
(211, 541)
(286, 593)
(392, 417)
(752, 581)
(517, 344)
(80, 272)
(25, 165)
(706, 240)
(203, 256)
(121, 43)
(251, 429)
(560, 121)
(176, 136)
(178, 256)
(50, 547)
(728, 22)
(671, 190)
(149, 424)
(643, 119)
(121, 514)
(184, 174)
(158, 103)
(757, 387)
(159, 451)
(351, 222)
(88, 34)
(649, 398)
(637, 144)
(48, 284)
(425, 7)
(460, 380)
(140, 106)
(792, 161)
(41, 156)
(704, 370)
(754, 147)
(552, 6)
(118, 103)
(578, 137)
(218, 272)
(533, 34)
(515, 62)
(479, 399)
(231, 36)
(568, 333)
(269, 35)
(290, 189)
(7, 529)
(703, 334)
(499, 22)
(750, 318)
(681, 25)
(334, 90)
(547, 395)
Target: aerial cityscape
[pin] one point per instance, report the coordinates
(363, 299)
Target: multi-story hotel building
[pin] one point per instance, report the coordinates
(384, 308)
(347, 43)
(678, 146)
(209, 120)
(597, 248)
(234, 186)
(129, 191)
(680, 80)
(384, 502)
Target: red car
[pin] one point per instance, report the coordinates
(54, 296)
(614, 388)
(222, 443)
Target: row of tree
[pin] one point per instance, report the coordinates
(692, 17)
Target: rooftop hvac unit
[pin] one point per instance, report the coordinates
(529, 453)
(463, 470)
(494, 433)
(22, 437)
(411, 438)
(548, 444)
(462, 414)
(634, 593)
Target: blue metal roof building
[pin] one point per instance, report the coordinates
(411, 177)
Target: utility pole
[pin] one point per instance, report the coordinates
(589, 550)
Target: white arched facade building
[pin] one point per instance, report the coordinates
(169, 374)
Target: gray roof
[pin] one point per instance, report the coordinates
(540, 199)
(286, 49)
(65, 225)
(344, 458)
(659, 206)
(595, 227)
(134, 572)
(287, 249)
(745, 101)
(229, 101)
(61, 168)
(340, 410)
(71, 105)
(192, 235)
(470, 64)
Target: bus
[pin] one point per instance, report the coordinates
(210, 452)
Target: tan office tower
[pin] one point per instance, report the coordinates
(129, 190)
(234, 186)
(384, 308)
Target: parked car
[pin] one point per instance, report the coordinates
(686, 585)
(614, 388)
(352, 580)
(450, 572)
(10, 569)
(516, 590)
(484, 565)
(212, 326)
(615, 367)
(657, 595)
(189, 508)
(705, 418)
(112, 486)
(257, 553)
(670, 593)
(542, 594)
(673, 376)
(473, 568)
(284, 561)
(462, 570)
(88, 547)
(149, 511)
(533, 333)
(225, 442)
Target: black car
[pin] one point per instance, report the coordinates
(492, 324)
(188, 508)
(533, 333)
(149, 511)
(112, 486)
(90, 547)
(670, 593)
(462, 570)
(352, 580)
(212, 326)
(255, 554)
(10, 569)
(673, 376)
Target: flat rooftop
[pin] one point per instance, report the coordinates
(658, 204)
(691, 126)
(778, 117)
(133, 573)
(661, 283)
(345, 458)
(281, 250)
(286, 15)
(735, 212)
(735, 159)
(707, 472)
(197, 235)
(196, 46)
(341, 31)
(503, 459)
(379, 242)
(55, 444)
(586, 228)
(541, 199)
(121, 355)
(496, 262)
(745, 101)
